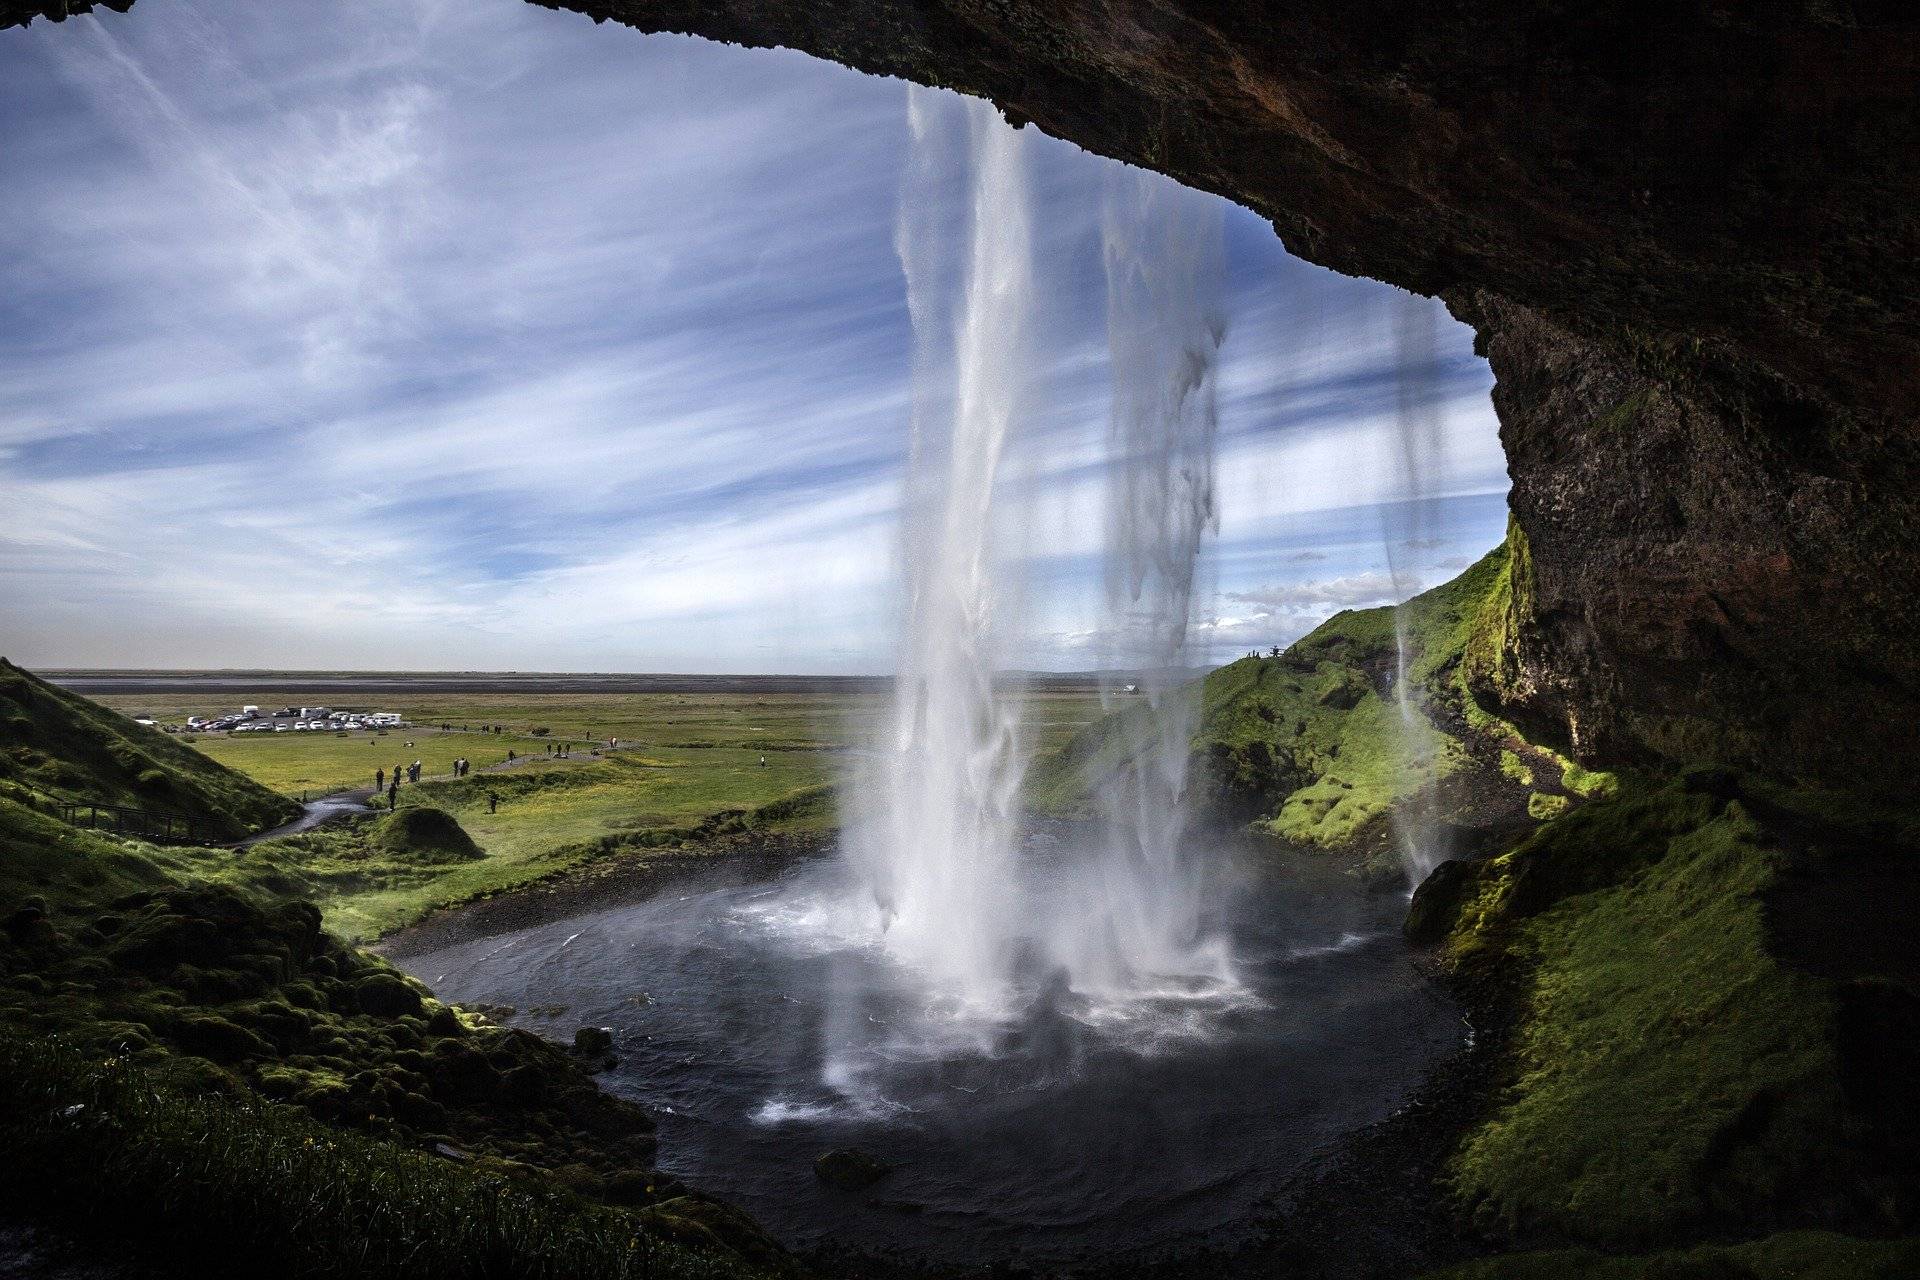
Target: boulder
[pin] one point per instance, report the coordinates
(386, 995)
(1437, 902)
(593, 1046)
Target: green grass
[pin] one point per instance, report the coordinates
(1669, 1070)
(120, 1151)
(1310, 746)
(1797, 1255)
(315, 764)
(683, 759)
(743, 721)
(60, 746)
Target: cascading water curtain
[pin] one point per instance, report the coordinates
(1163, 248)
(935, 836)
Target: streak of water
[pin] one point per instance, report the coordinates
(1410, 526)
(1165, 323)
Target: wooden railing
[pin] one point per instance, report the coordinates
(153, 824)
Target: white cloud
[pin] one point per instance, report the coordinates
(484, 337)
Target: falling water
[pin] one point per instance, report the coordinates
(1165, 323)
(936, 838)
(1409, 530)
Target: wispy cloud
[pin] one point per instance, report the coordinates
(487, 337)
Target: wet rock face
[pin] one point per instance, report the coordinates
(1710, 569)
(1685, 231)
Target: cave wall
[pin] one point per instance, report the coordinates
(1687, 233)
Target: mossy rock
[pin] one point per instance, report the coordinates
(1437, 903)
(215, 1037)
(386, 995)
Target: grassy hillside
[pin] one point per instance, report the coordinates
(1310, 747)
(59, 746)
(183, 1049)
(1715, 1027)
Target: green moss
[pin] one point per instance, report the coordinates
(1512, 766)
(1668, 1068)
(1798, 1255)
(1542, 806)
(423, 835)
(152, 1159)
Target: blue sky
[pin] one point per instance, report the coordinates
(466, 334)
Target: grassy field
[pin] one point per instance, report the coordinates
(780, 725)
(682, 758)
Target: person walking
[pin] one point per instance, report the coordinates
(379, 779)
(393, 794)
(493, 803)
(763, 762)
(509, 755)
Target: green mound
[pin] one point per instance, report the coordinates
(57, 746)
(424, 835)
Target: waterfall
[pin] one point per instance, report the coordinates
(935, 833)
(1165, 323)
(1408, 528)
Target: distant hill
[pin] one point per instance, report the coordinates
(60, 746)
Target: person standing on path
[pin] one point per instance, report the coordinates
(393, 794)
(379, 779)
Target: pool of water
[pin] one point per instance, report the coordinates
(762, 1023)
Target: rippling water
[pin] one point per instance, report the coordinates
(763, 1025)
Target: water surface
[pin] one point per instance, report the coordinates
(763, 1024)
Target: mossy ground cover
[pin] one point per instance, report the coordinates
(1669, 1070)
(231, 1185)
(249, 1026)
(1796, 1255)
(56, 746)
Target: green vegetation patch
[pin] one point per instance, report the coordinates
(1310, 746)
(422, 834)
(57, 746)
(1668, 1069)
(125, 1151)
(1797, 1255)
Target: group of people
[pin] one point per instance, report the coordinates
(392, 787)
(461, 766)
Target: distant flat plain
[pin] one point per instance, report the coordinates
(689, 747)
